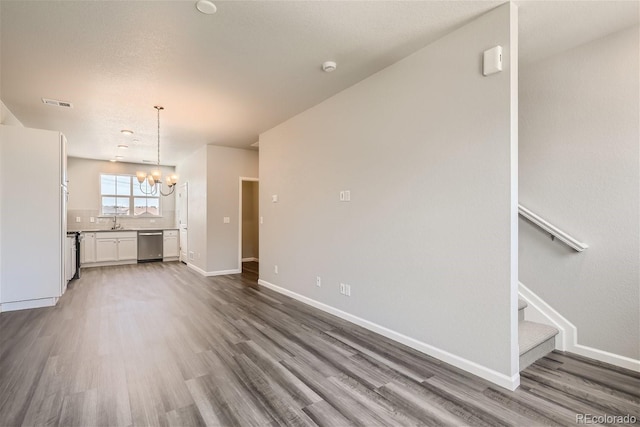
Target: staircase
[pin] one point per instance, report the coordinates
(535, 340)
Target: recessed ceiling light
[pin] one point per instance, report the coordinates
(135, 140)
(127, 132)
(329, 66)
(206, 7)
(119, 157)
(112, 160)
(123, 146)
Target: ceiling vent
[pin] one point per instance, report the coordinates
(57, 103)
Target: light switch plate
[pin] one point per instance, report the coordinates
(274, 198)
(226, 220)
(492, 61)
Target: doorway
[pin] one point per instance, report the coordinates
(249, 244)
(182, 212)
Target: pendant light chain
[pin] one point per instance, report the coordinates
(154, 179)
(158, 108)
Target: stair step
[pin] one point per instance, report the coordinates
(522, 304)
(535, 340)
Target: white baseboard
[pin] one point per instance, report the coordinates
(250, 259)
(28, 304)
(510, 383)
(567, 339)
(214, 273)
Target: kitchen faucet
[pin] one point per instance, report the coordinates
(116, 226)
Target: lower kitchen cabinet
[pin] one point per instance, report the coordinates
(106, 250)
(88, 248)
(116, 246)
(170, 246)
(128, 248)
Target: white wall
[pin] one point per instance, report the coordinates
(579, 169)
(84, 195)
(214, 175)
(225, 166)
(7, 117)
(428, 149)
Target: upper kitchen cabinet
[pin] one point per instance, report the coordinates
(32, 217)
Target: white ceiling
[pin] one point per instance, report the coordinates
(225, 78)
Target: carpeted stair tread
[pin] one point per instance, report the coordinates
(531, 334)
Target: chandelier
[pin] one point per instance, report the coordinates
(154, 178)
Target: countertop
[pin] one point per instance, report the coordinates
(107, 230)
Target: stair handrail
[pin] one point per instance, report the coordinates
(552, 229)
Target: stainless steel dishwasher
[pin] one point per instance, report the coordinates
(149, 245)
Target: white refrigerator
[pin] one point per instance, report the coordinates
(33, 212)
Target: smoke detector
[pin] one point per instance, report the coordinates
(206, 7)
(329, 66)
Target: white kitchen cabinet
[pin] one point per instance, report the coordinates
(116, 246)
(88, 248)
(106, 249)
(69, 254)
(128, 248)
(170, 246)
(33, 219)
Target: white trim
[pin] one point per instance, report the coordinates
(250, 259)
(567, 339)
(552, 229)
(510, 383)
(539, 311)
(250, 179)
(605, 356)
(213, 273)
(514, 236)
(28, 304)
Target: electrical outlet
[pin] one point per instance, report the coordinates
(347, 290)
(347, 195)
(191, 255)
(318, 281)
(78, 219)
(275, 269)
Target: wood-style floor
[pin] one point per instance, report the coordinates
(157, 344)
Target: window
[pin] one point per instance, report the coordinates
(119, 193)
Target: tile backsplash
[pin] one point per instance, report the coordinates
(168, 220)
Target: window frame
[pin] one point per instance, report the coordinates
(131, 196)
